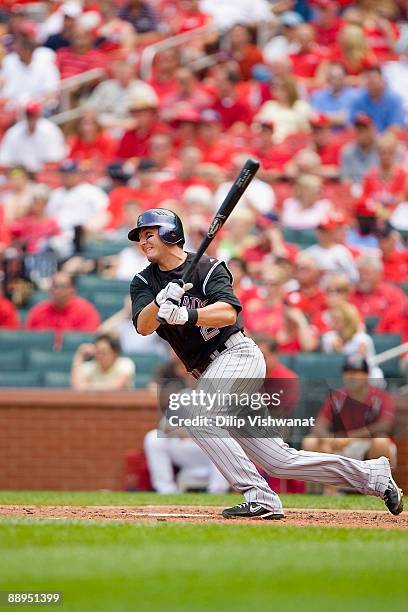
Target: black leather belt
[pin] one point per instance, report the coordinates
(199, 370)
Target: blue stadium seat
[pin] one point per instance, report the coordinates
(107, 303)
(57, 380)
(371, 324)
(302, 238)
(319, 365)
(90, 284)
(11, 339)
(383, 342)
(46, 361)
(18, 380)
(11, 359)
(146, 364)
(72, 340)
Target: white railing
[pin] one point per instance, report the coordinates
(150, 52)
(392, 353)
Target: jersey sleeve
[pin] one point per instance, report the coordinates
(217, 286)
(141, 295)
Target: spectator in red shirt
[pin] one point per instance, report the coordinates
(4, 230)
(135, 142)
(8, 313)
(165, 66)
(394, 258)
(189, 17)
(272, 156)
(242, 283)
(34, 231)
(359, 418)
(379, 30)
(80, 56)
(309, 296)
(242, 51)
(119, 194)
(386, 184)
(215, 147)
(325, 145)
(186, 175)
(63, 311)
(228, 103)
(307, 60)
(91, 147)
(188, 94)
(278, 377)
(327, 23)
(373, 296)
(148, 190)
(162, 155)
(272, 316)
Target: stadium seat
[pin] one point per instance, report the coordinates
(146, 364)
(104, 248)
(142, 380)
(286, 360)
(57, 380)
(107, 303)
(46, 361)
(383, 342)
(26, 339)
(404, 287)
(319, 365)
(91, 284)
(72, 340)
(371, 324)
(11, 360)
(38, 296)
(18, 380)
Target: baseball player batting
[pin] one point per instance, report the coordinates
(200, 320)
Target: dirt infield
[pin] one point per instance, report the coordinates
(208, 514)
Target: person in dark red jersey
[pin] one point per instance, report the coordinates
(355, 421)
(394, 255)
(8, 313)
(307, 60)
(63, 311)
(373, 296)
(309, 297)
(227, 101)
(325, 145)
(80, 56)
(327, 23)
(214, 146)
(135, 142)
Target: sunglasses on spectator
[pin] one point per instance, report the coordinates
(337, 289)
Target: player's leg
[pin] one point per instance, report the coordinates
(237, 368)
(372, 477)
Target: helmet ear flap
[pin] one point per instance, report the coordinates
(170, 236)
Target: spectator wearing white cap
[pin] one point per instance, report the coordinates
(33, 141)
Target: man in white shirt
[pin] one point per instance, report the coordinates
(227, 13)
(33, 141)
(28, 73)
(332, 256)
(259, 197)
(76, 203)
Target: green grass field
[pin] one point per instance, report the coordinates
(118, 566)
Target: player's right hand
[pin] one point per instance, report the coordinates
(172, 292)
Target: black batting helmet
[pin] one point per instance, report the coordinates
(169, 224)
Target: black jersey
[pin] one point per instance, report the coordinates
(212, 282)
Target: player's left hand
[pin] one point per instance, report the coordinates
(172, 314)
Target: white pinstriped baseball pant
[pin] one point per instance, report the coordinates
(234, 456)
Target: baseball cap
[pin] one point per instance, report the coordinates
(319, 120)
(366, 207)
(71, 9)
(144, 100)
(355, 363)
(186, 115)
(117, 171)
(363, 120)
(291, 19)
(333, 220)
(68, 165)
(33, 107)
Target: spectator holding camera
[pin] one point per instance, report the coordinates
(99, 366)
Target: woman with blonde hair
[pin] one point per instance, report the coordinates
(288, 112)
(352, 51)
(306, 209)
(347, 335)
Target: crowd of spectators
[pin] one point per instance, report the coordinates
(316, 90)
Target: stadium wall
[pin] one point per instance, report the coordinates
(64, 440)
